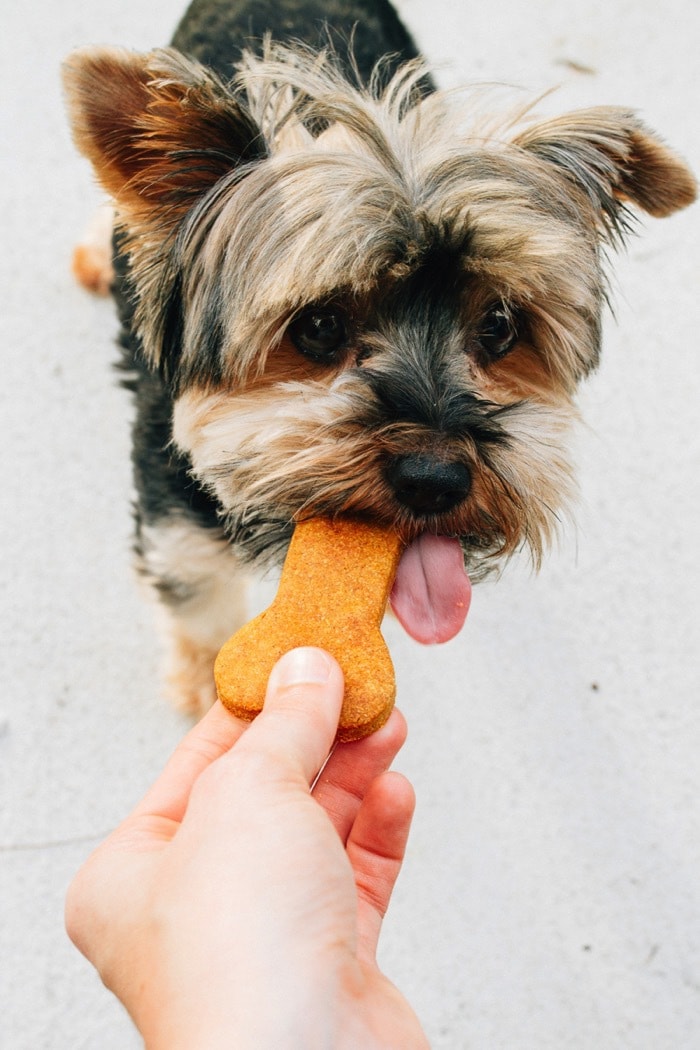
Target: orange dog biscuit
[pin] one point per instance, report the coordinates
(333, 593)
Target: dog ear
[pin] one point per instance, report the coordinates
(615, 159)
(159, 129)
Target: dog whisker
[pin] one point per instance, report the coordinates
(345, 292)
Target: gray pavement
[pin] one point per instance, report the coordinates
(551, 896)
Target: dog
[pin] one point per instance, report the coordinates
(343, 292)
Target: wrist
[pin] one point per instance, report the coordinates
(294, 1007)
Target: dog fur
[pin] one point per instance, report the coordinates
(344, 292)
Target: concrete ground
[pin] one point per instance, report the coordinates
(551, 896)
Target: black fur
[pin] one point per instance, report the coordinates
(215, 32)
(361, 31)
(346, 305)
(162, 476)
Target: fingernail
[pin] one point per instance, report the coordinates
(305, 666)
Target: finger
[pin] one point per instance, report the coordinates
(216, 734)
(351, 769)
(376, 847)
(299, 720)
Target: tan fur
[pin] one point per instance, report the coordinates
(349, 207)
(418, 220)
(262, 447)
(92, 259)
(210, 605)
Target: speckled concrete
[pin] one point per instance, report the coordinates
(551, 896)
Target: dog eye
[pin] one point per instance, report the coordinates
(498, 333)
(319, 333)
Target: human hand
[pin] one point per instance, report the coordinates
(234, 907)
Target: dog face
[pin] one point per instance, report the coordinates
(362, 305)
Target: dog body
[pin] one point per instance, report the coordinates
(343, 293)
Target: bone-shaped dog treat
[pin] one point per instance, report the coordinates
(333, 594)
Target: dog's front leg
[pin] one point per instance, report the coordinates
(201, 590)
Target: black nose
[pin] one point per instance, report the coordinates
(427, 485)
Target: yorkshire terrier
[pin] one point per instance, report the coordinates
(343, 292)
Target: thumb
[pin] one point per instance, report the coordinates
(300, 716)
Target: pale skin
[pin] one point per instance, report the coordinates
(235, 907)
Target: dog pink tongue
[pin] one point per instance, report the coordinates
(431, 592)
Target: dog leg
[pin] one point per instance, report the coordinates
(92, 258)
(201, 591)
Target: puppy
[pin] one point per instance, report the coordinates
(343, 293)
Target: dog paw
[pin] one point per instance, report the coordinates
(92, 259)
(92, 268)
(189, 678)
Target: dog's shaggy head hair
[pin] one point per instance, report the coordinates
(364, 303)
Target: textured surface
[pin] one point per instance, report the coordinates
(333, 592)
(550, 897)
